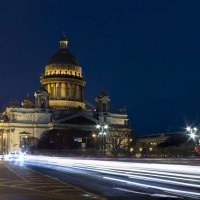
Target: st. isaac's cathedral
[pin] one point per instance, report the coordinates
(60, 105)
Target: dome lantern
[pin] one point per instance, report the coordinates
(63, 42)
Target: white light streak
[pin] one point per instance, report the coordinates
(180, 192)
(144, 175)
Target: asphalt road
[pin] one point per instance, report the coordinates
(123, 180)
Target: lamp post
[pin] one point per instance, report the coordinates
(195, 137)
(102, 135)
(94, 137)
(192, 133)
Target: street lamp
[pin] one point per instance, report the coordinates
(102, 133)
(192, 132)
(98, 126)
(106, 126)
(94, 135)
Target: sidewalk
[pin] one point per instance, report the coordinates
(20, 183)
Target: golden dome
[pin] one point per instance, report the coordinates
(63, 79)
(63, 56)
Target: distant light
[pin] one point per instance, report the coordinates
(188, 128)
(192, 135)
(131, 149)
(195, 129)
(100, 133)
(98, 126)
(105, 126)
(104, 133)
(93, 135)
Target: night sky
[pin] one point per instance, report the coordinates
(146, 54)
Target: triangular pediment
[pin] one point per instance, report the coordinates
(79, 119)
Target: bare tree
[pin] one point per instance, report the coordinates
(118, 140)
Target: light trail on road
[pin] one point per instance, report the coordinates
(152, 179)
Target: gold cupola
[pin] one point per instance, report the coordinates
(63, 79)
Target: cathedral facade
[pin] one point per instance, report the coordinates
(60, 105)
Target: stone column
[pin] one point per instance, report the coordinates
(54, 91)
(1, 142)
(78, 92)
(73, 91)
(63, 91)
(70, 92)
(8, 140)
(49, 88)
(58, 90)
(5, 146)
(67, 91)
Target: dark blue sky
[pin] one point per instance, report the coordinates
(145, 53)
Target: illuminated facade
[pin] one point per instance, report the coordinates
(174, 144)
(59, 104)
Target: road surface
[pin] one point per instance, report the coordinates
(123, 180)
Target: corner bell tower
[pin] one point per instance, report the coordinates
(102, 104)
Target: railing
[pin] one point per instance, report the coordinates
(75, 153)
(61, 76)
(55, 152)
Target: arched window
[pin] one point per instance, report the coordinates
(43, 103)
(104, 107)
